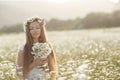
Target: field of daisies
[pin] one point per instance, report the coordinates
(81, 54)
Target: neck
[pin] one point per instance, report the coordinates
(35, 40)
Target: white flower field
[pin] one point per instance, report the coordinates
(80, 54)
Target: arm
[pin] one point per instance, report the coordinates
(20, 60)
(52, 65)
(37, 62)
(19, 64)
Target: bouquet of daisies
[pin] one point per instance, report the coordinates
(40, 50)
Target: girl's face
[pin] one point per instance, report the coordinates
(35, 30)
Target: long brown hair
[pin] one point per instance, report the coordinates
(28, 58)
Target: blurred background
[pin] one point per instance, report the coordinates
(60, 14)
(85, 35)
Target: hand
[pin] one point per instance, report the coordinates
(37, 62)
(40, 61)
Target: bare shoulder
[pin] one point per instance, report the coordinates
(20, 51)
(21, 47)
(20, 57)
(20, 54)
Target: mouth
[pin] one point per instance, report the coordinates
(36, 34)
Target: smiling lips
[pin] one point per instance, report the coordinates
(35, 34)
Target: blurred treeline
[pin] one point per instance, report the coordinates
(92, 20)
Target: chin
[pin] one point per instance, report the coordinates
(36, 37)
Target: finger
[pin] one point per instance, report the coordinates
(44, 58)
(41, 60)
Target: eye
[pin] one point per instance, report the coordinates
(31, 29)
(34, 28)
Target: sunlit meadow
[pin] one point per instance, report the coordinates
(81, 55)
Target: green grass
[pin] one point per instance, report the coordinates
(81, 54)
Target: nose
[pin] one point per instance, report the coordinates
(35, 29)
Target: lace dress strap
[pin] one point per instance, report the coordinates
(21, 48)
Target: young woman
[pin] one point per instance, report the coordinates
(27, 67)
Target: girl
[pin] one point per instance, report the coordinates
(27, 67)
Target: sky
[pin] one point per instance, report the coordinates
(17, 11)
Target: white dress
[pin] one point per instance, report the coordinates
(36, 73)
